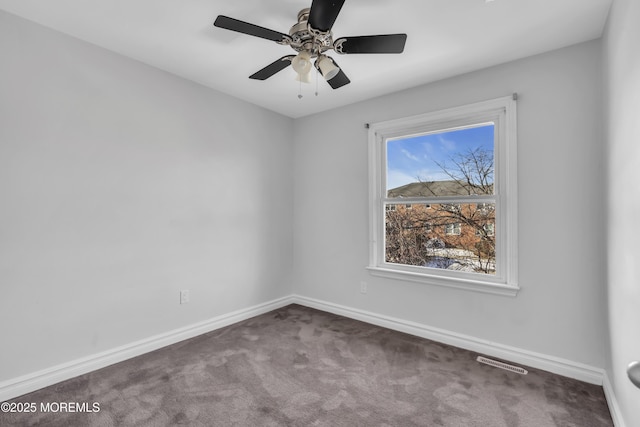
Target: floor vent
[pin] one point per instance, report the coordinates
(502, 365)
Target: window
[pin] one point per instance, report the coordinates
(483, 207)
(487, 230)
(456, 169)
(452, 229)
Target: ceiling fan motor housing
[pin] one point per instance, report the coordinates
(305, 38)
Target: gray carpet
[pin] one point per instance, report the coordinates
(301, 367)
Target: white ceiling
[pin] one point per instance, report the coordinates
(445, 38)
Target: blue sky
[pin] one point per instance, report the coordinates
(414, 159)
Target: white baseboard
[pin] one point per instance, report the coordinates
(27, 383)
(544, 362)
(614, 407)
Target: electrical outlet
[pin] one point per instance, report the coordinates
(184, 296)
(363, 287)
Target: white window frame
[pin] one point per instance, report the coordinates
(501, 112)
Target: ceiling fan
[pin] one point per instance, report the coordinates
(311, 37)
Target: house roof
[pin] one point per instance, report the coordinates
(437, 189)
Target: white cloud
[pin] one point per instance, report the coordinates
(409, 155)
(447, 144)
(428, 149)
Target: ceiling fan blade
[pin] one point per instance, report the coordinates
(324, 13)
(339, 79)
(251, 29)
(385, 43)
(273, 68)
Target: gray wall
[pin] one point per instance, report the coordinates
(120, 185)
(622, 82)
(560, 310)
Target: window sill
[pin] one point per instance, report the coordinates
(457, 283)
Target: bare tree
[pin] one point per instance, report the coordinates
(448, 235)
(472, 170)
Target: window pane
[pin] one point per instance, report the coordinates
(446, 236)
(450, 163)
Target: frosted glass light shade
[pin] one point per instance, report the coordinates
(304, 77)
(327, 68)
(302, 63)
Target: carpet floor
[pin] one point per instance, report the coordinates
(297, 366)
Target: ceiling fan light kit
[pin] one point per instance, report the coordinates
(327, 67)
(311, 37)
(301, 63)
(303, 77)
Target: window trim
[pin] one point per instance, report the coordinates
(500, 111)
